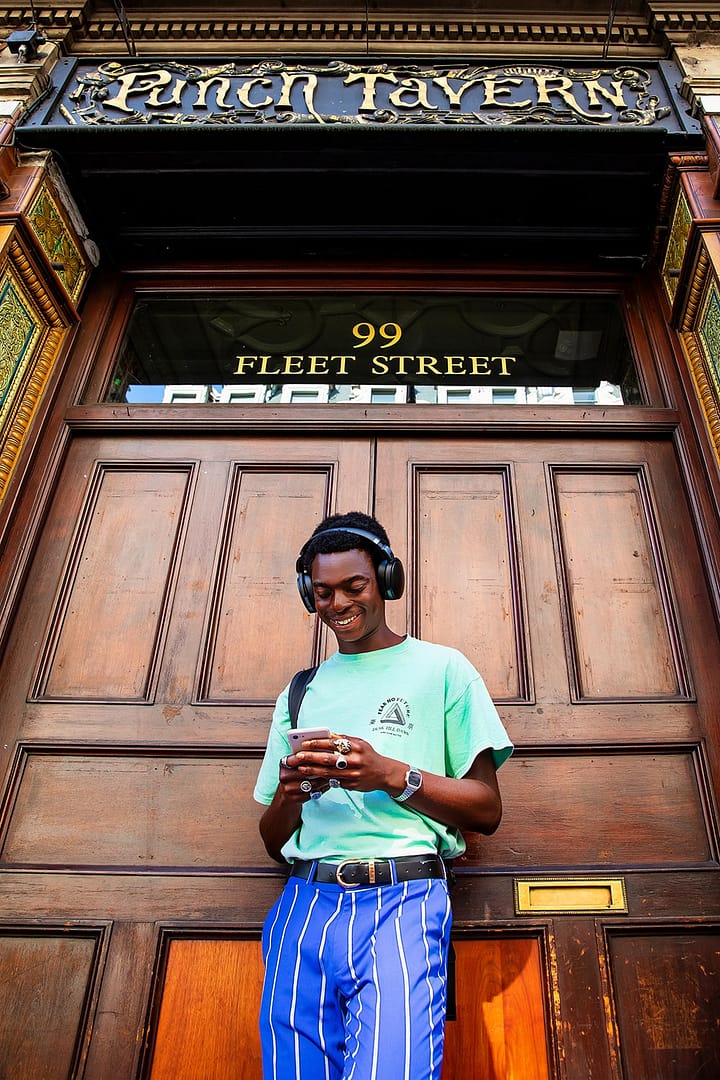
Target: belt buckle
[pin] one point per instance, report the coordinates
(358, 862)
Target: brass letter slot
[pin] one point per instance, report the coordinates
(548, 896)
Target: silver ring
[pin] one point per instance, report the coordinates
(305, 786)
(343, 746)
(333, 782)
(341, 762)
(284, 762)
(316, 795)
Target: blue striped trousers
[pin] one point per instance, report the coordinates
(355, 982)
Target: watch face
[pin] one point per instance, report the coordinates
(414, 778)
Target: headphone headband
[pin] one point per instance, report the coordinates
(385, 548)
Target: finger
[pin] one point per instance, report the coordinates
(317, 744)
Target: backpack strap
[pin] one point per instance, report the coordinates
(298, 686)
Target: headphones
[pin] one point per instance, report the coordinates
(390, 572)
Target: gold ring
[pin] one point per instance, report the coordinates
(343, 746)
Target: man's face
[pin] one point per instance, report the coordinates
(348, 600)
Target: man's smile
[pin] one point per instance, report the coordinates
(346, 621)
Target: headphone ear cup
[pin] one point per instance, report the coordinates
(391, 575)
(304, 584)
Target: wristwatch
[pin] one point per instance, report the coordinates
(413, 783)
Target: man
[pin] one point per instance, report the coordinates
(356, 946)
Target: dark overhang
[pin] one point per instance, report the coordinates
(462, 160)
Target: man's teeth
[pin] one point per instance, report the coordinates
(345, 622)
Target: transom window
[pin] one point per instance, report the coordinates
(387, 349)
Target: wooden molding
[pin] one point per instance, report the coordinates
(95, 29)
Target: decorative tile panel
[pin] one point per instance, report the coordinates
(701, 343)
(32, 331)
(19, 331)
(677, 244)
(58, 241)
(709, 331)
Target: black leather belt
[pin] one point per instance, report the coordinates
(354, 872)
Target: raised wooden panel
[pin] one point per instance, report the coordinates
(46, 979)
(256, 612)
(466, 579)
(666, 993)
(500, 1030)
(603, 808)
(149, 810)
(622, 625)
(108, 621)
(208, 1013)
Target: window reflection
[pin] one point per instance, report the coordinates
(298, 394)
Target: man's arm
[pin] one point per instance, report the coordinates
(472, 802)
(278, 823)
(282, 816)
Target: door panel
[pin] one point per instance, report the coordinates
(623, 632)
(666, 988)
(122, 809)
(617, 807)
(117, 581)
(161, 618)
(501, 1028)
(46, 992)
(485, 603)
(251, 584)
(209, 1011)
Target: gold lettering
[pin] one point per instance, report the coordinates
(242, 361)
(426, 364)
(204, 85)
(503, 361)
(400, 360)
(368, 102)
(480, 365)
(342, 366)
(615, 96)
(318, 365)
(563, 89)
(418, 91)
(264, 370)
(148, 82)
(309, 81)
(244, 93)
(380, 365)
(293, 365)
(455, 365)
(455, 96)
(493, 87)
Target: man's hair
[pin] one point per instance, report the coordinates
(346, 541)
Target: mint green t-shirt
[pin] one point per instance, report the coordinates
(417, 702)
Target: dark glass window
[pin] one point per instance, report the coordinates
(384, 348)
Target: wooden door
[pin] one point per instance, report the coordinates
(567, 570)
(159, 620)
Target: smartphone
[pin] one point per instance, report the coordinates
(298, 734)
